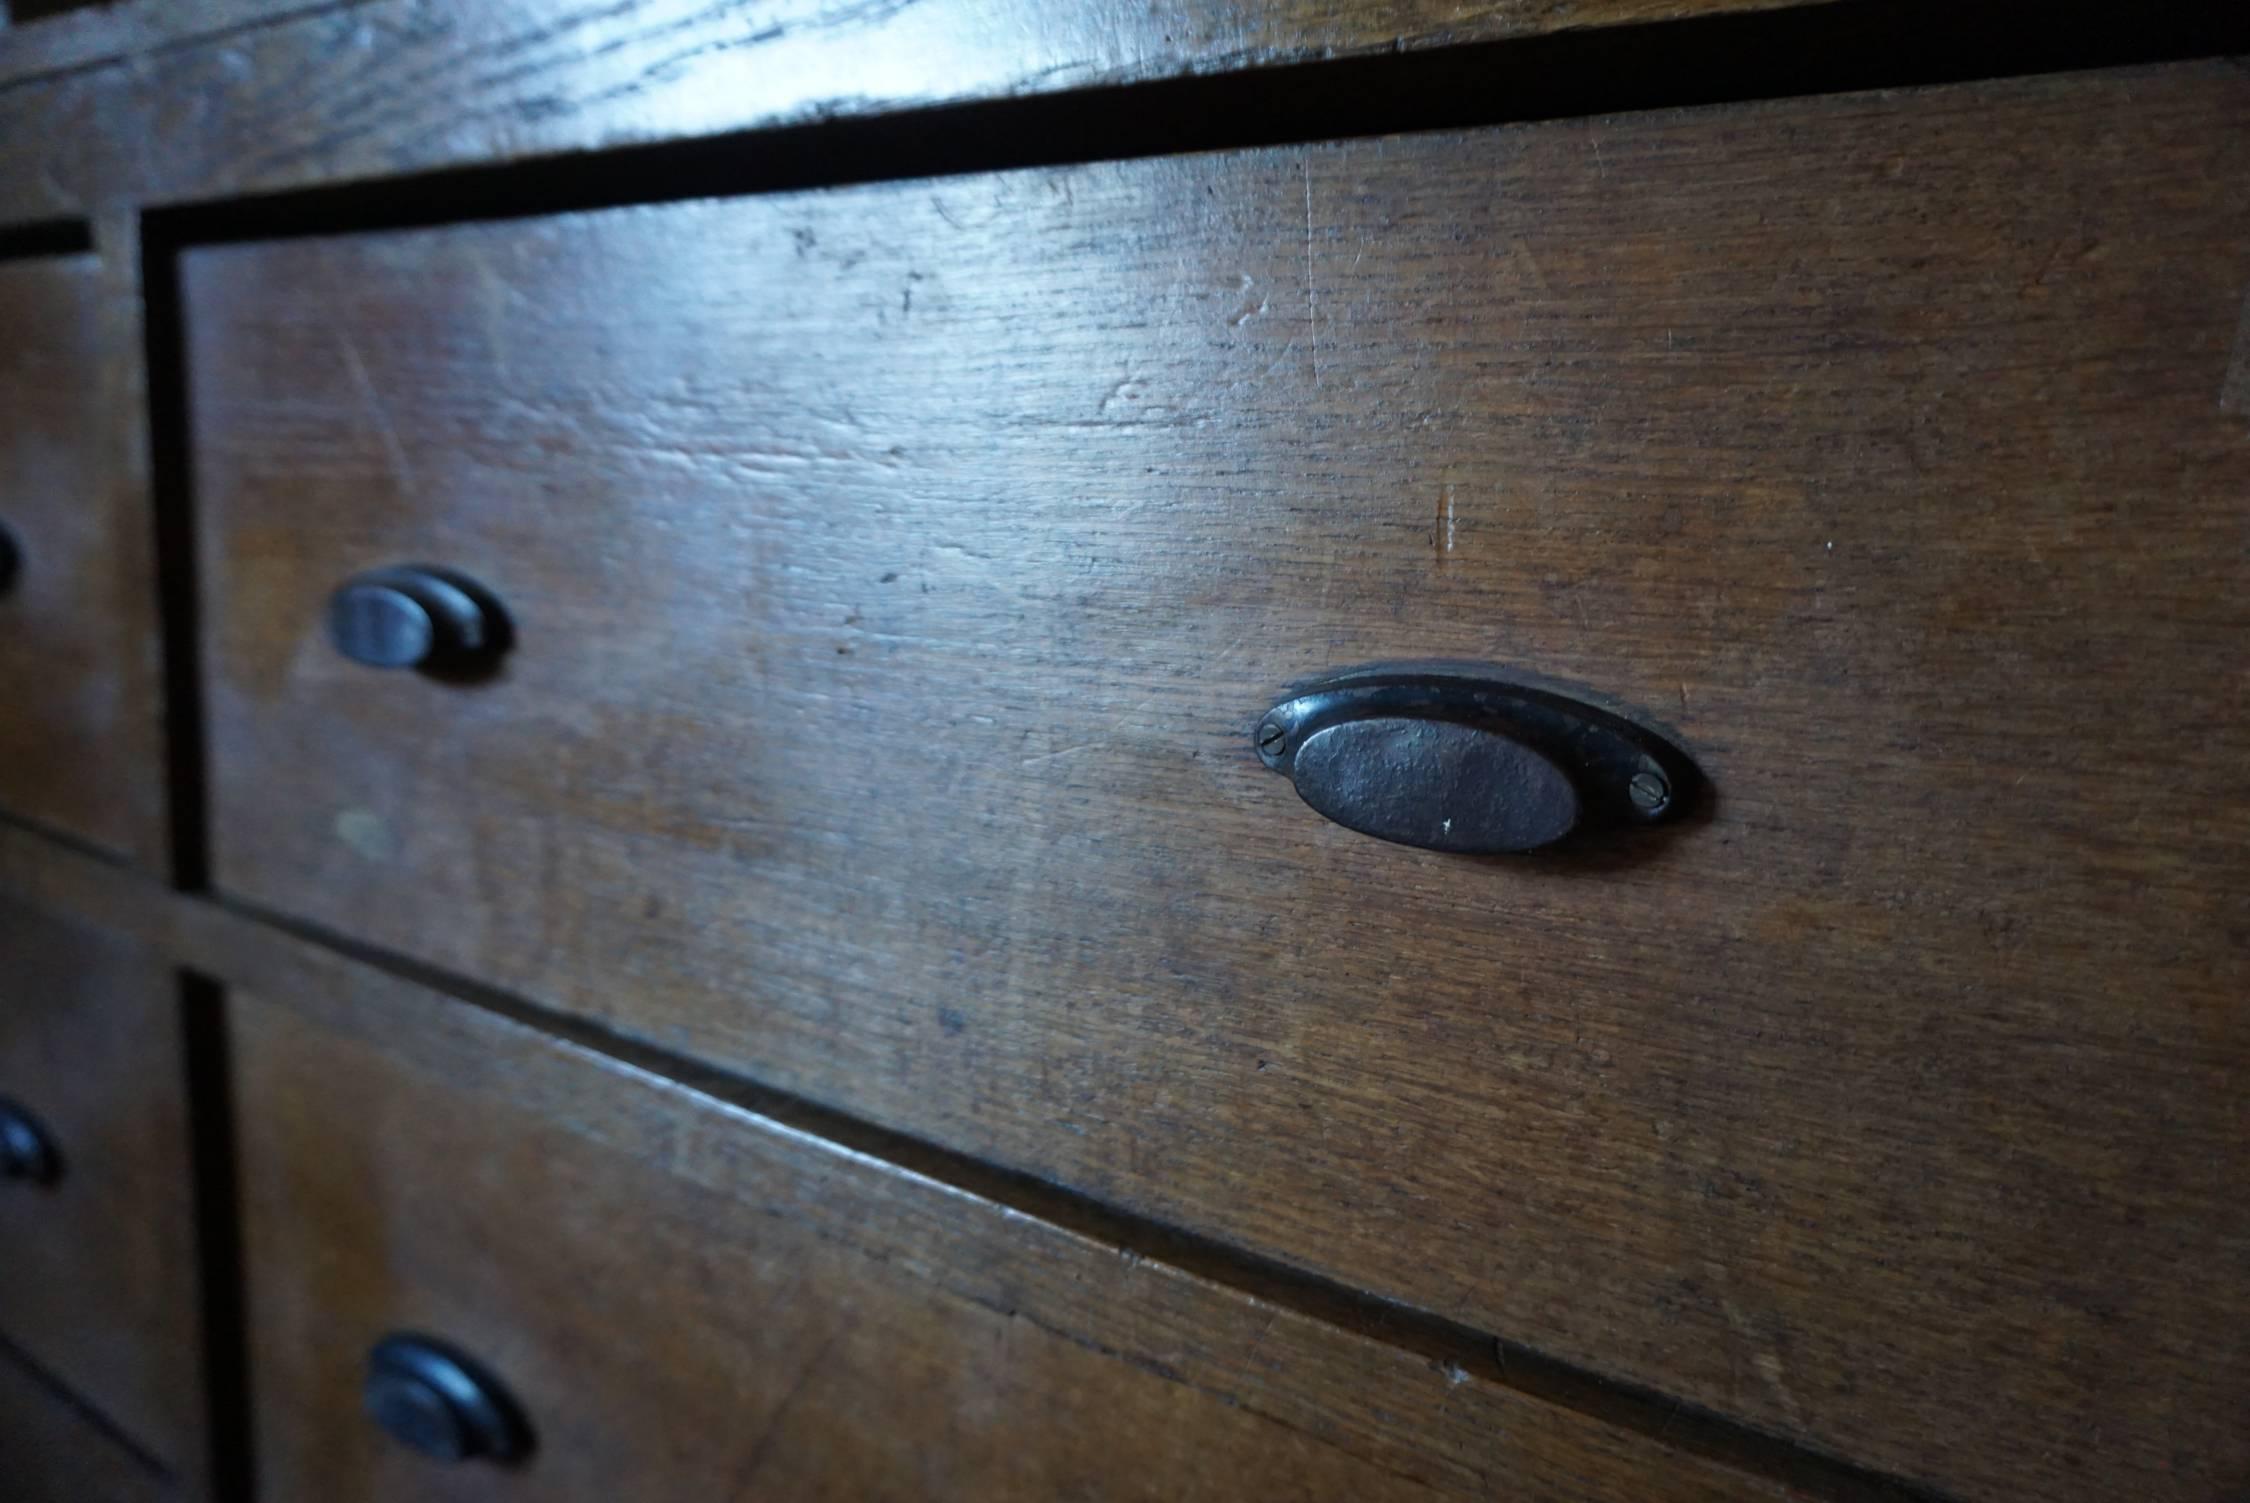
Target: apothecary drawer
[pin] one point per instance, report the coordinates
(80, 730)
(486, 1264)
(97, 1196)
(871, 596)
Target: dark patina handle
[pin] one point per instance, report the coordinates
(1454, 761)
(434, 1399)
(419, 616)
(26, 1151)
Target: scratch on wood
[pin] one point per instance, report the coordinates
(1117, 389)
(55, 189)
(1247, 310)
(1061, 752)
(762, 1448)
(1765, 1358)
(492, 303)
(400, 469)
(1312, 305)
(2234, 392)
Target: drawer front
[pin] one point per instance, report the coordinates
(78, 655)
(680, 1299)
(100, 1288)
(897, 575)
(52, 1452)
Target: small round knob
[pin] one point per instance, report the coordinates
(417, 616)
(434, 1400)
(26, 1152)
(11, 560)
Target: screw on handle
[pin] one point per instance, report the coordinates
(26, 1151)
(419, 616)
(432, 1399)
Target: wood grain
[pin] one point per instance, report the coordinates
(101, 1273)
(87, 33)
(1487, 1438)
(899, 572)
(51, 1453)
(78, 656)
(695, 1302)
(361, 88)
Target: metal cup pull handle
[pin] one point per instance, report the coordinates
(1474, 765)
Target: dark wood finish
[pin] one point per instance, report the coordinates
(78, 672)
(213, 938)
(388, 86)
(52, 1453)
(88, 33)
(693, 1302)
(899, 573)
(100, 1288)
(1272, 1347)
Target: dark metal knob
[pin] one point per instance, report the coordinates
(418, 616)
(431, 1398)
(11, 560)
(1457, 761)
(26, 1152)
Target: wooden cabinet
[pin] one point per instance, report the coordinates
(639, 751)
(79, 750)
(100, 1289)
(897, 574)
(682, 1299)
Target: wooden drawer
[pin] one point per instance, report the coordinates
(101, 1262)
(53, 1452)
(685, 1300)
(898, 573)
(79, 748)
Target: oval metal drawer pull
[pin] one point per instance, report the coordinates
(432, 1399)
(419, 616)
(26, 1151)
(1455, 761)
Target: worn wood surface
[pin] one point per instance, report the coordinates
(899, 572)
(51, 1453)
(140, 107)
(692, 1301)
(1494, 1429)
(78, 656)
(92, 34)
(101, 1275)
